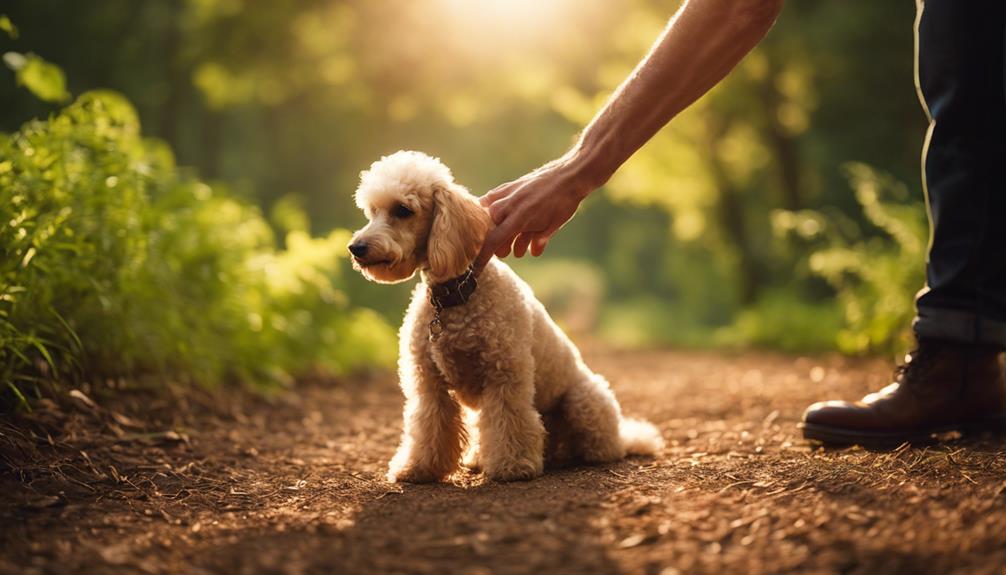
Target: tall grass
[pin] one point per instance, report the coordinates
(116, 263)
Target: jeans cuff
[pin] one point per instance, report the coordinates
(958, 325)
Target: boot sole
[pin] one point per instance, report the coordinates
(838, 436)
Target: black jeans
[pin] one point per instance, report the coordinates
(962, 82)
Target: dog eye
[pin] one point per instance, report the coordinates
(400, 211)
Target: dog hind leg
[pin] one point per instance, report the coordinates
(592, 411)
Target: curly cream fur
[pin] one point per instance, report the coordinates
(501, 368)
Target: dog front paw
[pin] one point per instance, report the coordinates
(521, 470)
(412, 474)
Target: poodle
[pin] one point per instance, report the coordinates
(481, 363)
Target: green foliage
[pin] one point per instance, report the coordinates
(298, 97)
(875, 269)
(646, 321)
(781, 321)
(116, 263)
(41, 78)
(8, 27)
(871, 269)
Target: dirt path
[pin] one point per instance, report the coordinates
(234, 483)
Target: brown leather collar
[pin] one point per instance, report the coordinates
(453, 292)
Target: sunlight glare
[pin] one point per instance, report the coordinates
(507, 21)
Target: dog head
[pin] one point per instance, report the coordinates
(419, 219)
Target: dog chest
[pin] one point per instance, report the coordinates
(463, 370)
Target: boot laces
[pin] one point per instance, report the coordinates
(917, 364)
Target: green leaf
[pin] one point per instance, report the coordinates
(41, 78)
(7, 26)
(69, 330)
(20, 396)
(39, 344)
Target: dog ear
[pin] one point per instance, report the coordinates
(459, 226)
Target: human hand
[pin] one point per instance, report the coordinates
(528, 211)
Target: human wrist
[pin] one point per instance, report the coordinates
(582, 171)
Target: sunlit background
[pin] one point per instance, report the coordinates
(783, 210)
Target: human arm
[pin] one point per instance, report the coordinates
(700, 46)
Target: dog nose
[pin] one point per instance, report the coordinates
(358, 249)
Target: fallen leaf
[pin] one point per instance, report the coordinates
(78, 394)
(633, 540)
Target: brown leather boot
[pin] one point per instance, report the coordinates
(943, 386)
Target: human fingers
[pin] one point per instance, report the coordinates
(495, 194)
(500, 238)
(538, 245)
(521, 244)
(494, 238)
(485, 254)
(498, 211)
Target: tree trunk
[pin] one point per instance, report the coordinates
(730, 209)
(177, 79)
(782, 144)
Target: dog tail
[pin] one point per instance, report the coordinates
(640, 437)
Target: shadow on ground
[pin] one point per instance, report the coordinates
(424, 529)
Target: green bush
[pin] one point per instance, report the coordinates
(781, 320)
(116, 264)
(875, 270)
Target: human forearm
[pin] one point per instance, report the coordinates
(700, 46)
(703, 42)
